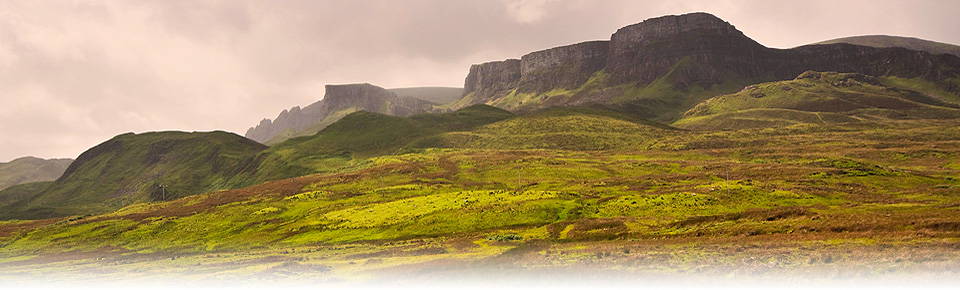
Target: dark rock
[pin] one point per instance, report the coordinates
(492, 79)
(689, 50)
(564, 67)
(364, 97)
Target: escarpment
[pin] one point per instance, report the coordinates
(682, 51)
(562, 67)
(338, 101)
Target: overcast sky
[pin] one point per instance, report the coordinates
(75, 73)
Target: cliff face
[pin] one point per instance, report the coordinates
(562, 67)
(364, 97)
(695, 49)
(492, 80)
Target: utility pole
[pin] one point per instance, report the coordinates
(163, 192)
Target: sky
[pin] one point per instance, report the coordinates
(75, 73)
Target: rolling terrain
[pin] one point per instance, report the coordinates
(815, 97)
(857, 196)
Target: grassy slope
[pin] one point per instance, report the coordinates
(823, 98)
(344, 144)
(897, 41)
(21, 192)
(30, 169)
(129, 168)
(705, 200)
(662, 100)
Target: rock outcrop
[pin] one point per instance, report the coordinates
(562, 67)
(696, 49)
(338, 98)
(492, 80)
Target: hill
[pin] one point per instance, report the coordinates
(823, 98)
(898, 41)
(361, 135)
(31, 169)
(339, 101)
(664, 66)
(130, 168)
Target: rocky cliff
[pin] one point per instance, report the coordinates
(684, 51)
(562, 67)
(491, 80)
(337, 102)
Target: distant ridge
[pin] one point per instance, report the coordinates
(339, 101)
(31, 169)
(898, 41)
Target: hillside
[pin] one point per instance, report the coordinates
(31, 169)
(130, 168)
(822, 98)
(341, 100)
(21, 192)
(898, 41)
(794, 201)
(360, 135)
(664, 66)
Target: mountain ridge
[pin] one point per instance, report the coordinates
(340, 100)
(912, 43)
(31, 169)
(657, 67)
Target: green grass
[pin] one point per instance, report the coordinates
(822, 98)
(129, 169)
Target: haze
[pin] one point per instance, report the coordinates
(75, 73)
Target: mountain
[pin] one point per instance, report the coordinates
(341, 100)
(664, 66)
(130, 168)
(822, 98)
(897, 41)
(31, 169)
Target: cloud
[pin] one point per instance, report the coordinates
(75, 73)
(526, 11)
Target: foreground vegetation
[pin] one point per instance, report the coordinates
(861, 198)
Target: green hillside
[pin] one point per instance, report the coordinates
(850, 196)
(364, 134)
(130, 168)
(21, 192)
(898, 41)
(31, 169)
(824, 98)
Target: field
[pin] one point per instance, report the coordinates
(828, 201)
